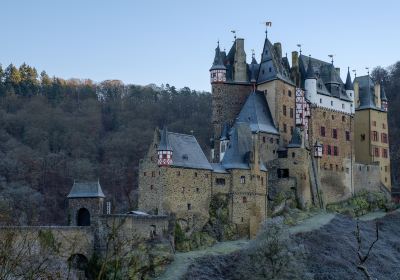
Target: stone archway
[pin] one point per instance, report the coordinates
(78, 263)
(83, 217)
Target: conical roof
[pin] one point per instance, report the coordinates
(218, 63)
(310, 70)
(349, 83)
(164, 142)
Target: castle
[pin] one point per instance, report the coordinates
(280, 130)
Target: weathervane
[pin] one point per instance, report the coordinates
(367, 68)
(299, 46)
(331, 56)
(355, 73)
(234, 34)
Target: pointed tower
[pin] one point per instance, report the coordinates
(310, 84)
(384, 101)
(349, 87)
(164, 150)
(218, 69)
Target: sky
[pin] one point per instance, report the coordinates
(173, 41)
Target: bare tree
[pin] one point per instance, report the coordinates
(363, 258)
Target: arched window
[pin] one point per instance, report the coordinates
(79, 263)
(83, 217)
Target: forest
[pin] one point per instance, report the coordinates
(54, 131)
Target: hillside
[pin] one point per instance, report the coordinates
(53, 131)
(329, 252)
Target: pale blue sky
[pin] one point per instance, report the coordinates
(173, 41)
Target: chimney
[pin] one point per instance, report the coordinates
(278, 49)
(240, 66)
(378, 95)
(338, 71)
(295, 59)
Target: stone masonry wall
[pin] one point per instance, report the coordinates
(366, 177)
(227, 101)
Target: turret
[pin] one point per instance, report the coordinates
(310, 84)
(350, 88)
(224, 141)
(384, 101)
(218, 69)
(164, 150)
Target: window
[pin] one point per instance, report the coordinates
(334, 133)
(270, 69)
(323, 148)
(178, 173)
(151, 187)
(263, 139)
(333, 117)
(291, 113)
(283, 173)
(335, 151)
(384, 138)
(293, 154)
(347, 135)
(343, 118)
(153, 174)
(197, 190)
(320, 100)
(329, 150)
(374, 123)
(386, 168)
(383, 126)
(385, 153)
(289, 93)
(291, 130)
(242, 179)
(189, 206)
(284, 128)
(374, 135)
(195, 174)
(220, 181)
(244, 199)
(323, 131)
(144, 174)
(376, 151)
(362, 137)
(284, 110)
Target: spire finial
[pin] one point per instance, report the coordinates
(331, 56)
(218, 43)
(252, 53)
(299, 46)
(355, 73)
(234, 34)
(367, 68)
(267, 24)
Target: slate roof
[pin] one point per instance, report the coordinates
(86, 190)
(186, 152)
(218, 63)
(383, 93)
(272, 66)
(164, 142)
(328, 80)
(256, 113)
(349, 83)
(366, 93)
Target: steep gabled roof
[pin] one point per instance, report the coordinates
(187, 152)
(239, 148)
(86, 190)
(256, 113)
(272, 66)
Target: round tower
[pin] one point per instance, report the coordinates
(310, 84)
(218, 69)
(164, 150)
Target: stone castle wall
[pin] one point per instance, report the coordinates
(366, 177)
